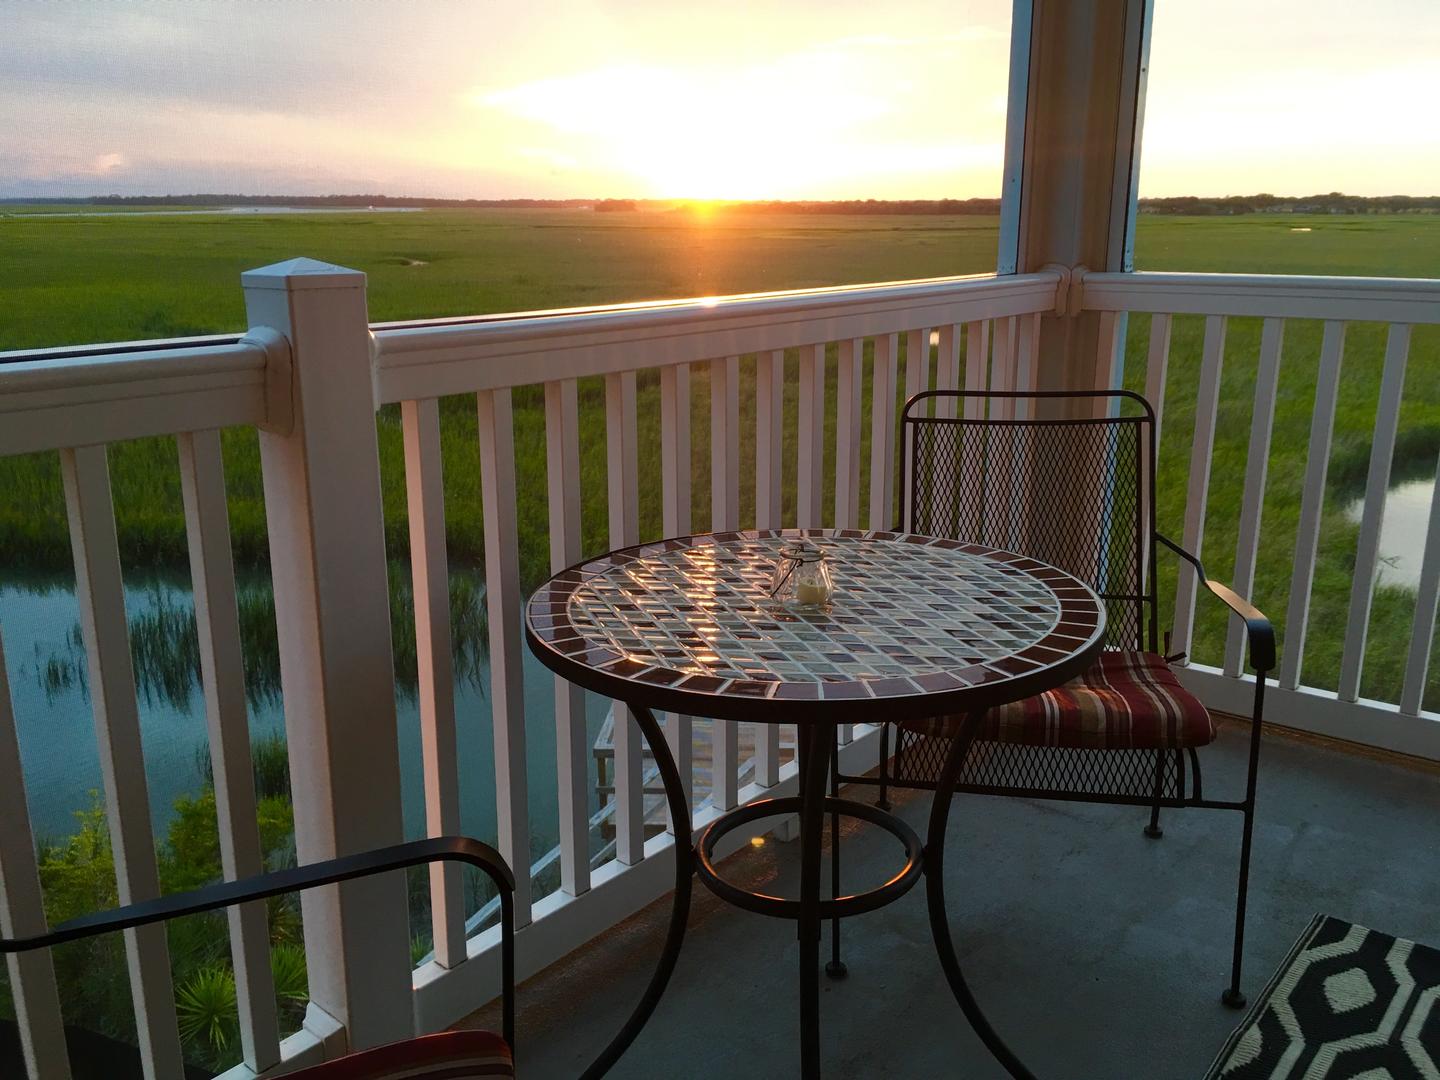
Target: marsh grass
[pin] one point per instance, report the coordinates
(158, 276)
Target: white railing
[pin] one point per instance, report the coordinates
(1340, 711)
(310, 376)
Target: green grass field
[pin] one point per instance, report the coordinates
(73, 280)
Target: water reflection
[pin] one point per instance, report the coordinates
(1402, 531)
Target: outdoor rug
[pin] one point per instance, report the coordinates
(1347, 1003)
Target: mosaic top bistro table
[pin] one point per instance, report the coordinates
(916, 627)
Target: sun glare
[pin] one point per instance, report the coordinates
(766, 132)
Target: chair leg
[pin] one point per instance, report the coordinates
(1232, 995)
(1153, 830)
(881, 800)
(836, 968)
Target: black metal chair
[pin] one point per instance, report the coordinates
(447, 1054)
(1068, 478)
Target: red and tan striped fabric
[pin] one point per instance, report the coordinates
(1127, 700)
(447, 1055)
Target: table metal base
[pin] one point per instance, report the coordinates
(785, 908)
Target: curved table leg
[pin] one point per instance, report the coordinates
(935, 893)
(679, 909)
(816, 742)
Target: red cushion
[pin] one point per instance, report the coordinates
(446, 1055)
(1126, 700)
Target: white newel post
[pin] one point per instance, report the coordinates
(327, 553)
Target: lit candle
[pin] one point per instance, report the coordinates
(811, 592)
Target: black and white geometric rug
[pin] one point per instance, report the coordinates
(1347, 1004)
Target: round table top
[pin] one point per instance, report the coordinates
(917, 626)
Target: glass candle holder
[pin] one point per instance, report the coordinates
(802, 578)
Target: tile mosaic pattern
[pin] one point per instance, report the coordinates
(911, 615)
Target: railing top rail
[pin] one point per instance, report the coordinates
(460, 357)
(107, 349)
(1363, 299)
(99, 394)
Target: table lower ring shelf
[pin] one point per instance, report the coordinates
(784, 908)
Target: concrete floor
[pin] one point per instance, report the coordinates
(1096, 953)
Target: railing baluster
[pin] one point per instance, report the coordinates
(562, 474)
(1157, 364)
(1367, 554)
(1202, 450)
(724, 515)
(810, 432)
(1026, 346)
(622, 473)
(849, 376)
(882, 430)
(22, 913)
(430, 574)
(1002, 369)
(675, 449)
(725, 444)
(1427, 602)
(977, 365)
(1262, 425)
(947, 369)
(507, 675)
(769, 445)
(222, 682)
(101, 597)
(917, 363)
(769, 437)
(1312, 502)
(675, 467)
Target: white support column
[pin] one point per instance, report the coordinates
(1083, 103)
(22, 913)
(327, 549)
(572, 751)
(222, 682)
(101, 596)
(435, 670)
(810, 432)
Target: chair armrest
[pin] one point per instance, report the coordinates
(296, 879)
(1259, 628)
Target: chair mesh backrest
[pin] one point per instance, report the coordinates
(1066, 492)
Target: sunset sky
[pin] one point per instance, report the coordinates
(804, 99)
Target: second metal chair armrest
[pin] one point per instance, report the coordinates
(1261, 632)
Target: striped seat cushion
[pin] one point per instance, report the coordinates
(1126, 700)
(447, 1055)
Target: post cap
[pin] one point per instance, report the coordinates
(302, 273)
